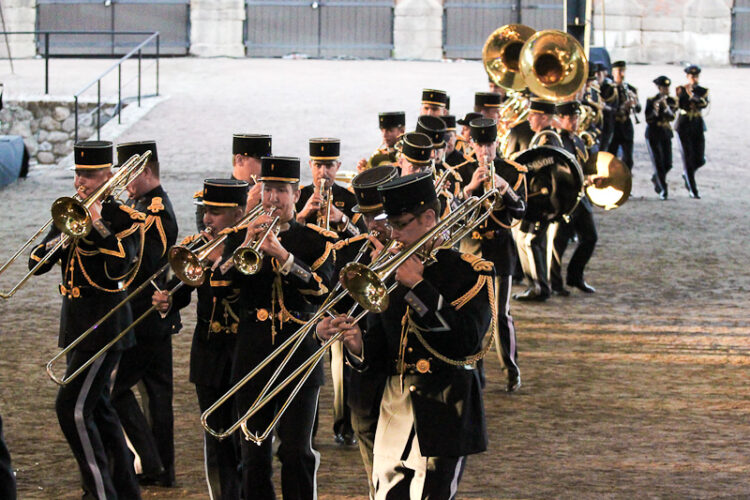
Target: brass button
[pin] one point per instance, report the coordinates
(423, 366)
(262, 314)
(409, 349)
(412, 388)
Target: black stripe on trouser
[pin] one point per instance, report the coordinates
(660, 151)
(505, 341)
(88, 420)
(7, 479)
(221, 458)
(582, 224)
(299, 461)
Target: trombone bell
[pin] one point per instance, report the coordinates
(187, 266)
(365, 286)
(71, 217)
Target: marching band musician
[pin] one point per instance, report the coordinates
(415, 153)
(434, 103)
(625, 104)
(464, 137)
(435, 128)
(427, 341)
(96, 270)
(150, 360)
(313, 204)
(296, 270)
(660, 111)
(392, 126)
(247, 150)
(488, 104)
(541, 112)
(608, 91)
(692, 98)
(495, 238)
(215, 334)
(581, 221)
(592, 99)
(364, 390)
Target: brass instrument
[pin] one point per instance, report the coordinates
(553, 65)
(501, 54)
(189, 265)
(615, 185)
(65, 380)
(72, 217)
(249, 259)
(556, 140)
(324, 212)
(295, 341)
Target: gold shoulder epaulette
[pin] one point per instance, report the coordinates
(324, 232)
(189, 239)
(198, 194)
(156, 205)
(133, 213)
(477, 263)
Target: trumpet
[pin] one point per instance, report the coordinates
(72, 217)
(65, 380)
(189, 265)
(295, 341)
(324, 213)
(249, 259)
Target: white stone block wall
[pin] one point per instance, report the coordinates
(20, 15)
(418, 30)
(216, 28)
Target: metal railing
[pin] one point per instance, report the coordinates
(153, 37)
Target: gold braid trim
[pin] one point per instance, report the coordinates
(189, 239)
(128, 281)
(156, 205)
(133, 213)
(324, 232)
(198, 194)
(155, 219)
(469, 360)
(348, 241)
(322, 259)
(355, 218)
(521, 180)
(127, 232)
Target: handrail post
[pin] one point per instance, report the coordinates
(139, 78)
(98, 109)
(46, 62)
(157, 63)
(76, 114)
(119, 94)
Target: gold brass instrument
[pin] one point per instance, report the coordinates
(249, 259)
(553, 65)
(501, 54)
(554, 137)
(295, 341)
(616, 182)
(189, 265)
(65, 380)
(71, 216)
(324, 213)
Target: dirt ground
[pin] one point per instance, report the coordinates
(634, 391)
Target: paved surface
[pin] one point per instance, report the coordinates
(638, 390)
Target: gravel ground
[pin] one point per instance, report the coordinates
(633, 391)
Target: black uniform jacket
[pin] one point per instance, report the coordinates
(659, 118)
(216, 328)
(574, 145)
(495, 234)
(344, 200)
(95, 270)
(620, 97)
(518, 139)
(690, 107)
(160, 233)
(292, 298)
(451, 309)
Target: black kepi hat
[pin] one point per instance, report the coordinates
(391, 119)
(416, 147)
(91, 155)
(537, 105)
(365, 186)
(568, 108)
(693, 69)
(279, 169)
(225, 192)
(619, 64)
(468, 118)
(450, 122)
(487, 100)
(325, 149)
(434, 128)
(254, 145)
(127, 149)
(662, 81)
(483, 130)
(434, 97)
(407, 193)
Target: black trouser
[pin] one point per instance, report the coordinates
(150, 363)
(7, 479)
(364, 426)
(693, 145)
(660, 149)
(505, 343)
(582, 224)
(623, 138)
(299, 461)
(93, 430)
(608, 128)
(532, 250)
(221, 458)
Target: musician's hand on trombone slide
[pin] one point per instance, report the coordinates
(161, 299)
(351, 335)
(410, 272)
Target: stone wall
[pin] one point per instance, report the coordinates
(20, 15)
(47, 125)
(216, 28)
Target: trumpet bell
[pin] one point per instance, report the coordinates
(247, 260)
(501, 55)
(187, 266)
(554, 65)
(365, 286)
(71, 217)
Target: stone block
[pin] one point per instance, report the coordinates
(707, 9)
(618, 23)
(45, 146)
(425, 8)
(22, 128)
(62, 149)
(32, 146)
(34, 124)
(56, 136)
(42, 135)
(46, 158)
(69, 125)
(49, 123)
(85, 132)
(60, 113)
(661, 23)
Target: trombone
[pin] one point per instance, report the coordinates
(65, 380)
(72, 217)
(249, 259)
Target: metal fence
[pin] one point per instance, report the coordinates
(171, 18)
(740, 48)
(468, 23)
(319, 28)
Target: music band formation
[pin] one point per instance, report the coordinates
(402, 279)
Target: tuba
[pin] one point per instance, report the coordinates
(553, 65)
